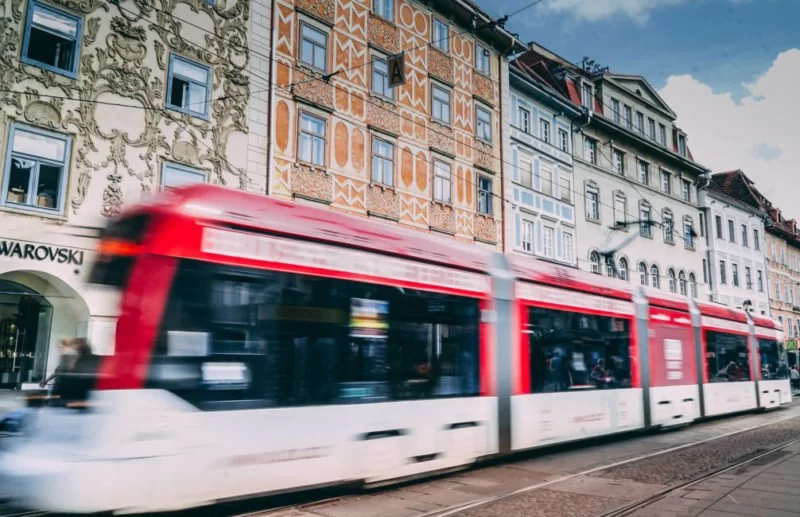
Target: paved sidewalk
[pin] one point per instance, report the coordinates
(766, 487)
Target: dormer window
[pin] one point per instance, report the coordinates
(587, 95)
(682, 145)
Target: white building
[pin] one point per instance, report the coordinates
(105, 110)
(634, 176)
(736, 242)
(540, 186)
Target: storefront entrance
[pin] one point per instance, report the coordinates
(25, 321)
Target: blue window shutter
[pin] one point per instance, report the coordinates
(515, 161)
(538, 236)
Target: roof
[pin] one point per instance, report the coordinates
(264, 214)
(471, 16)
(652, 98)
(737, 186)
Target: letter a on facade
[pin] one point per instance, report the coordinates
(397, 69)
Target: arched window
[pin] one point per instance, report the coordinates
(594, 258)
(692, 285)
(671, 278)
(623, 269)
(682, 283)
(610, 267)
(655, 277)
(642, 273)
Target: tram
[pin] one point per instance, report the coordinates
(265, 347)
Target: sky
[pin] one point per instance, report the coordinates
(728, 68)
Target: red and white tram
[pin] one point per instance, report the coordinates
(265, 347)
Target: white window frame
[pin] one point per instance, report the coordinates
(384, 9)
(615, 113)
(628, 116)
(686, 190)
(567, 247)
(483, 60)
(544, 130)
(380, 71)
(563, 140)
(587, 96)
(440, 41)
(179, 170)
(316, 46)
(440, 116)
(483, 122)
(590, 149)
(526, 176)
(524, 122)
(314, 139)
(194, 108)
(548, 241)
(618, 162)
(30, 204)
(643, 276)
(527, 235)
(485, 196)
(666, 182)
(592, 203)
(643, 171)
(382, 163)
(594, 261)
(655, 276)
(442, 181)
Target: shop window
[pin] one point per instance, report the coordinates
(174, 175)
(727, 358)
(52, 40)
(572, 351)
(188, 87)
(235, 338)
(36, 169)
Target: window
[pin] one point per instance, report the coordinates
(744, 236)
(594, 260)
(313, 47)
(662, 134)
(727, 357)
(592, 204)
(702, 224)
(791, 327)
(610, 267)
(441, 35)
(544, 130)
(483, 59)
(655, 276)
(623, 269)
(620, 211)
(644, 172)
(485, 195)
(778, 292)
(380, 79)
(384, 8)
(174, 175)
(666, 182)
(756, 240)
(692, 285)
(566, 247)
(615, 110)
(440, 104)
(565, 188)
(441, 181)
(590, 150)
(628, 117)
(619, 162)
(705, 271)
(524, 119)
(718, 221)
(723, 277)
(731, 231)
(312, 139)
(651, 127)
(382, 161)
(483, 123)
(547, 240)
(640, 122)
(688, 234)
(682, 283)
(642, 273)
(527, 236)
(735, 274)
(671, 280)
(682, 145)
(686, 190)
(546, 178)
(645, 227)
(587, 96)
(52, 40)
(526, 170)
(427, 346)
(788, 294)
(668, 224)
(760, 280)
(36, 169)
(563, 140)
(573, 350)
(188, 86)
(748, 278)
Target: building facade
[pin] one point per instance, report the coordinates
(735, 268)
(104, 104)
(783, 265)
(540, 179)
(635, 178)
(426, 154)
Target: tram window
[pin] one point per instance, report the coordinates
(572, 351)
(302, 340)
(769, 357)
(727, 359)
(115, 260)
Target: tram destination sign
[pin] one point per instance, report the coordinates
(40, 252)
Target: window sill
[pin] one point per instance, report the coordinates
(194, 114)
(382, 18)
(485, 215)
(482, 74)
(383, 187)
(302, 66)
(443, 204)
(690, 248)
(595, 221)
(483, 141)
(646, 236)
(669, 242)
(26, 210)
(445, 53)
(382, 98)
(49, 68)
(442, 124)
(313, 166)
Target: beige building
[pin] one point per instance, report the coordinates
(104, 103)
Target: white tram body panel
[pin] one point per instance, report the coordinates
(729, 397)
(674, 405)
(550, 418)
(774, 393)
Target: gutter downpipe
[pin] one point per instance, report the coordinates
(271, 97)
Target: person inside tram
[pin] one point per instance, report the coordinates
(599, 373)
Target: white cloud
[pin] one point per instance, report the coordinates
(595, 10)
(759, 134)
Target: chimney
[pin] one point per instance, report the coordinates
(774, 214)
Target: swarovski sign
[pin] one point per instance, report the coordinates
(40, 252)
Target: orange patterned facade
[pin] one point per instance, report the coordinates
(324, 57)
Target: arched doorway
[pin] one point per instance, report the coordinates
(25, 321)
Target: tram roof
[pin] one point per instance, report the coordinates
(721, 311)
(665, 299)
(543, 272)
(763, 321)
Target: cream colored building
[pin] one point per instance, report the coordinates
(102, 104)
